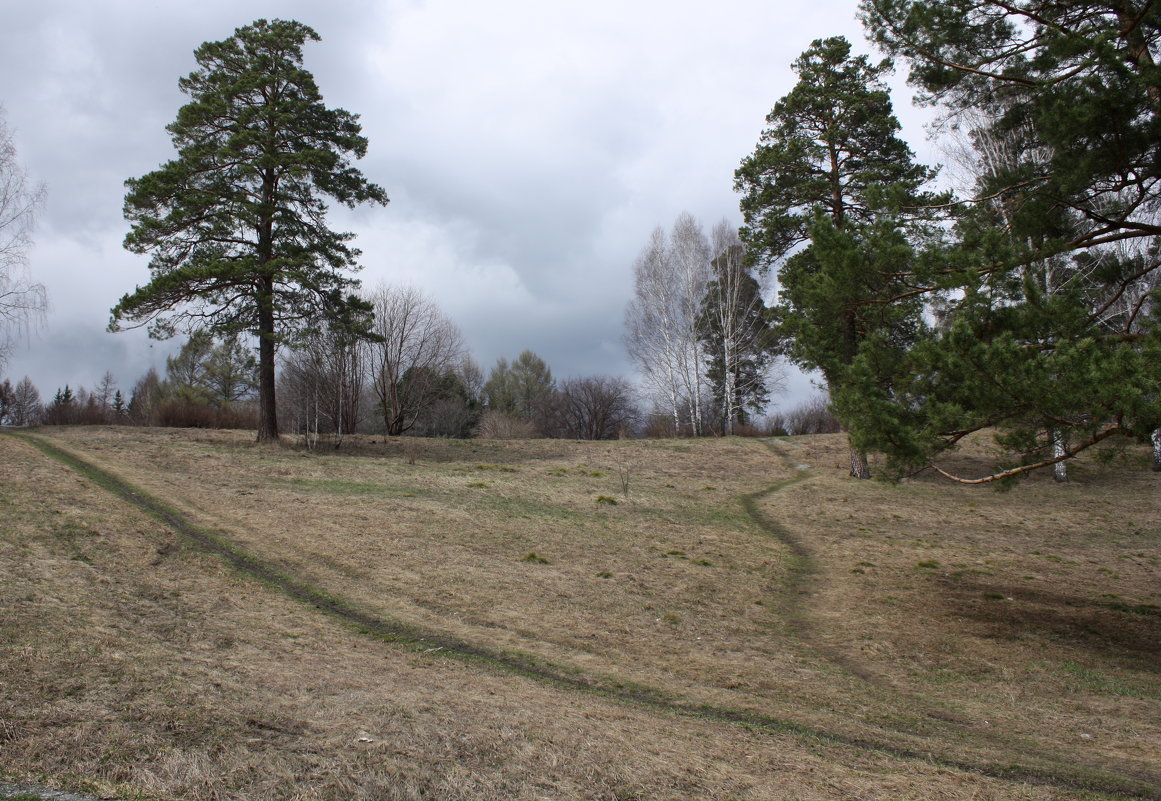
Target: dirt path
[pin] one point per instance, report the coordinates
(804, 573)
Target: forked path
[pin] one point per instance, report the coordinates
(803, 575)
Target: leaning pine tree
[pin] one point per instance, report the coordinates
(236, 225)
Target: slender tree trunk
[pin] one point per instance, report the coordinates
(1060, 469)
(267, 406)
(267, 409)
(1157, 450)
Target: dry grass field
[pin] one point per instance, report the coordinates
(713, 619)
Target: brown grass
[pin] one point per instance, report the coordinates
(878, 622)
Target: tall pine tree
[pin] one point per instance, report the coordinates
(236, 225)
(818, 186)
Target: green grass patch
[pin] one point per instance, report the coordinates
(1087, 679)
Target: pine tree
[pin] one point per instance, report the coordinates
(829, 176)
(235, 225)
(1048, 279)
(519, 387)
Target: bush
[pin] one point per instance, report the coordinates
(812, 417)
(659, 426)
(775, 425)
(502, 425)
(177, 413)
(748, 430)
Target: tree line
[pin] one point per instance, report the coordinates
(1022, 300)
(412, 375)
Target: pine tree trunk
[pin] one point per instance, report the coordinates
(860, 468)
(267, 409)
(1157, 450)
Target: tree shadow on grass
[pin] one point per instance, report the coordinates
(1114, 629)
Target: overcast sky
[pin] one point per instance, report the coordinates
(528, 147)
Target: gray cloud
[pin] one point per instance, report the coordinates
(529, 149)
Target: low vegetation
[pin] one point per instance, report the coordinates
(748, 623)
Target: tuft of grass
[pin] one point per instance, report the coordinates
(928, 564)
(608, 500)
(532, 558)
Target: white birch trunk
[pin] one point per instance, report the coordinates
(1059, 448)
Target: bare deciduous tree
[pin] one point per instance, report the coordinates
(418, 345)
(670, 278)
(146, 399)
(594, 407)
(105, 390)
(321, 384)
(22, 300)
(24, 407)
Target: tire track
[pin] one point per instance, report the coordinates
(1053, 774)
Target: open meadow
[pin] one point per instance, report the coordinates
(185, 614)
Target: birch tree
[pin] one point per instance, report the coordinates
(323, 381)
(661, 321)
(734, 331)
(22, 300)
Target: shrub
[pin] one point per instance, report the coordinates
(503, 425)
(811, 417)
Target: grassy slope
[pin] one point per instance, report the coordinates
(982, 628)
